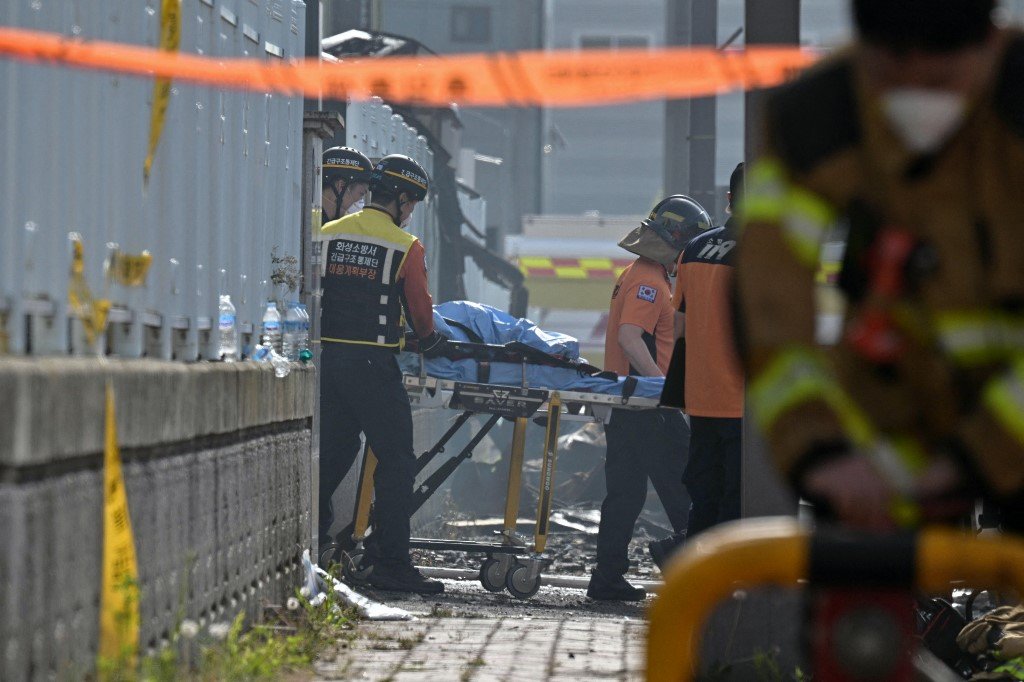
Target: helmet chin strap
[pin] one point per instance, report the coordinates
(337, 202)
(398, 220)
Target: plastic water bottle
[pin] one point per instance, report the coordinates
(272, 326)
(228, 327)
(281, 365)
(292, 330)
(305, 354)
(266, 353)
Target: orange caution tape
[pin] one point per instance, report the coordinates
(560, 78)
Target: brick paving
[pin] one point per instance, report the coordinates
(572, 647)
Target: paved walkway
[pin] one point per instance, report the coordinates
(573, 647)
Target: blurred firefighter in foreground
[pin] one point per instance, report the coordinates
(914, 140)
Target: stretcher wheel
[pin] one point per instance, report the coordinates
(329, 554)
(519, 583)
(493, 575)
(352, 566)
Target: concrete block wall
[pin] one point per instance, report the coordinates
(216, 461)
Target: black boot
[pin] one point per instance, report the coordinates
(604, 588)
(403, 577)
(661, 550)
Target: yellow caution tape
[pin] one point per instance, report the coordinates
(119, 601)
(170, 40)
(91, 311)
(130, 270)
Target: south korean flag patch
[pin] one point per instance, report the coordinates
(646, 293)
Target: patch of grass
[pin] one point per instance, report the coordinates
(471, 668)
(766, 666)
(259, 654)
(408, 643)
(289, 641)
(766, 669)
(379, 641)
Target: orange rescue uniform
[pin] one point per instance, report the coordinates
(642, 297)
(714, 380)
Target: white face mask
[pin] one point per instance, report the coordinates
(923, 118)
(405, 223)
(356, 207)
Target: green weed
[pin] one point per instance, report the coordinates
(289, 641)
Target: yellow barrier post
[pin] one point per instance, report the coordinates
(706, 571)
(547, 473)
(777, 552)
(515, 478)
(364, 497)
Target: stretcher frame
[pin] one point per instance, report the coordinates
(503, 567)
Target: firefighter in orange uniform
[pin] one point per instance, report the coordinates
(714, 381)
(648, 443)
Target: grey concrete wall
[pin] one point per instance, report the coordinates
(217, 467)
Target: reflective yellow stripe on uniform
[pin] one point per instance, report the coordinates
(803, 216)
(797, 376)
(1014, 668)
(1004, 396)
(978, 337)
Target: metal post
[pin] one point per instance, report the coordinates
(314, 34)
(767, 23)
(317, 126)
(677, 111)
(763, 492)
(704, 33)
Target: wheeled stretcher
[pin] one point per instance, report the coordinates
(511, 562)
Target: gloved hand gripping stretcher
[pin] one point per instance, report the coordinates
(503, 367)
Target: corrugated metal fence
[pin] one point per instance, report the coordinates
(373, 128)
(223, 198)
(224, 193)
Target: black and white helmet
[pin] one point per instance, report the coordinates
(346, 164)
(397, 174)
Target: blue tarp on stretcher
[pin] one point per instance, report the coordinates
(497, 327)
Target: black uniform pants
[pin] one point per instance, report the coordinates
(713, 473)
(642, 444)
(361, 391)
